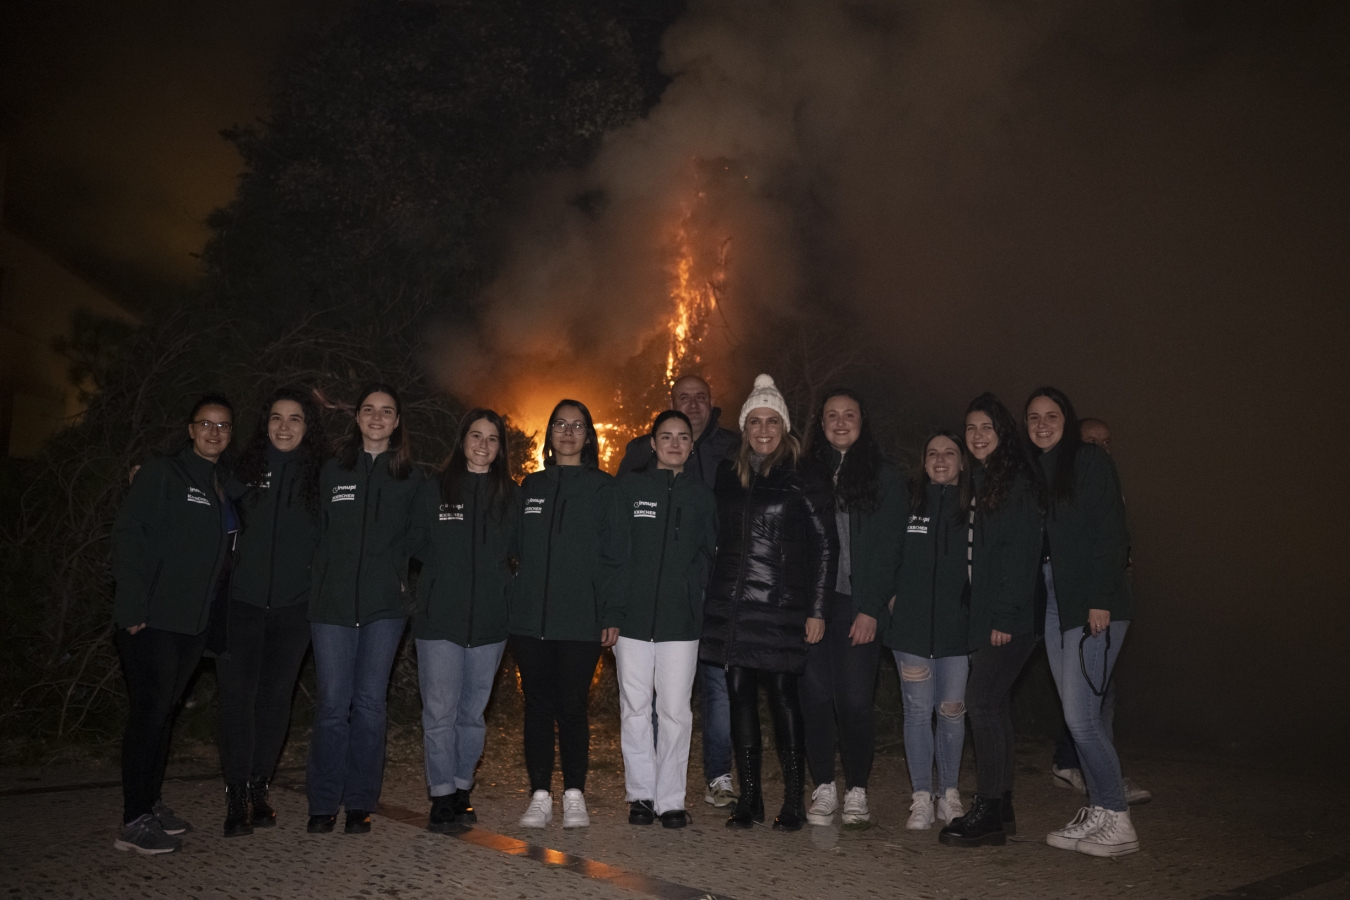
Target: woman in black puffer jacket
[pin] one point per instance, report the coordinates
(766, 599)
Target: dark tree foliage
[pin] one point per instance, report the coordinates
(368, 205)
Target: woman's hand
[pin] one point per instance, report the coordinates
(864, 629)
(609, 637)
(815, 630)
(1099, 620)
(999, 638)
(135, 628)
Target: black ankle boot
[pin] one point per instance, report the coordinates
(463, 808)
(750, 805)
(1009, 820)
(793, 814)
(237, 819)
(264, 816)
(441, 819)
(982, 825)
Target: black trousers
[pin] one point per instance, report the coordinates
(785, 708)
(555, 677)
(257, 681)
(989, 702)
(157, 666)
(837, 690)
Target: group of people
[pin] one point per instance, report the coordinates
(745, 561)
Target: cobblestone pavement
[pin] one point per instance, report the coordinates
(1213, 827)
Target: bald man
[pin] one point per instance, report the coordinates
(1065, 767)
(691, 395)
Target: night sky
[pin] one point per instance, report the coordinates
(1144, 205)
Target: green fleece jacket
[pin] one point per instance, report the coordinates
(665, 527)
(875, 541)
(279, 536)
(563, 589)
(1005, 564)
(169, 544)
(931, 616)
(465, 563)
(366, 530)
(1089, 540)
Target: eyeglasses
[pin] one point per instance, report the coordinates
(222, 427)
(562, 426)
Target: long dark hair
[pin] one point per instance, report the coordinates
(225, 462)
(252, 466)
(1009, 458)
(400, 464)
(857, 484)
(499, 470)
(590, 452)
(1061, 490)
(919, 481)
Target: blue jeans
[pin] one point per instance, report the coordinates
(456, 683)
(716, 721)
(933, 686)
(1082, 706)
(346, 748)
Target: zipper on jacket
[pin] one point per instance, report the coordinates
(361, 551)
(548, 555)
(932, 599)
(661, 559)
(272, 551)
(678, 511)
(740, 574)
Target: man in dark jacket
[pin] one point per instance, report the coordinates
(691, 395)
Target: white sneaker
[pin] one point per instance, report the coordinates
(1115, 836)
(920, 811)
(720, 792)
(1134, 794)
(1088, 820)
(855, 807)
(824, 802)
(574, 809)
(1069, 778)
(540, 811)
(949, 806)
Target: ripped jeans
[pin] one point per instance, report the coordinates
(929, 686)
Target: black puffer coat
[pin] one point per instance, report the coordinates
(776, 555)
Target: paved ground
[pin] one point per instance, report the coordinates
(1214, 827)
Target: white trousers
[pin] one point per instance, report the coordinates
(658, 773)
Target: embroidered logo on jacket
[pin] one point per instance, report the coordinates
(197, 495)
(344, 492)
(919, 524)
(452, 512)
(534, 506)
(644, 509)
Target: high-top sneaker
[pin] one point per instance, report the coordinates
(1115, 836)
(1089, 818)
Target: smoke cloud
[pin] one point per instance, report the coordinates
(1142, 204)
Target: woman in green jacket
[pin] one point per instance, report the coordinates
(171, 556)
(929, 627)
(1088, 610)
(1004, 537)
(276, 487)
(560, 607)
(358, 607)
(666, 531)
(468, 516)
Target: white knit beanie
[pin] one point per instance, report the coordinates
(766, 394)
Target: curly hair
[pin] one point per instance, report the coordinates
(857, 484)
(1008, 460)
(252, 466)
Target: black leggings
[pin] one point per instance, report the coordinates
(555, 677)
(158, 665)
(837, 690)
(743, 690)
(989, 702)
(256, 682)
